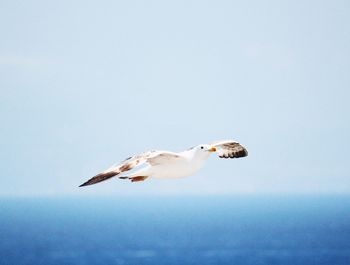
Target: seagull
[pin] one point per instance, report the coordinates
(168, 165)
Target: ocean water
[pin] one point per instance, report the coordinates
(241, 230)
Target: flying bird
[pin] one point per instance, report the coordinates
(168, 165)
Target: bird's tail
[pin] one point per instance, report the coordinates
(100, 177)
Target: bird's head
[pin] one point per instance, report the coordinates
(203, 150)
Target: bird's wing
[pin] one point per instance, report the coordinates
(162, 157)
(151, 157)
(124, 166)
(229, 149)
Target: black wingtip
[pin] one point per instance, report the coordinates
(236, 154)
(100, 177)
(241, 153)
(87, 183)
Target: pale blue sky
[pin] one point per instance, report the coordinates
(85, 84)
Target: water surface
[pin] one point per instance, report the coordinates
(242, 230)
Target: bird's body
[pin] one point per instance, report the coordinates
(168, 165)
(173, 165)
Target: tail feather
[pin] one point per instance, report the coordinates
(100, 177)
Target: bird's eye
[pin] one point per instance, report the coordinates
(202, 147)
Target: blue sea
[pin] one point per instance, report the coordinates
(241, 230)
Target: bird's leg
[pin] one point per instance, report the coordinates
(138, 178)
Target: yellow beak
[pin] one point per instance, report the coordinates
(213, 149)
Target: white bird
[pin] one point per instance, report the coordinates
(167, 165)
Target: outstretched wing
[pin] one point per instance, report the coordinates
(230, 149)
(124, 166)
(151, 157)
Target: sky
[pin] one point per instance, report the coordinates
(85, 84)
